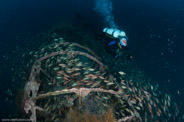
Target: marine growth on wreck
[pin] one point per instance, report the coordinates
(67, 79)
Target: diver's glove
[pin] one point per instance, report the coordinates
(117, 55)
(129, 57)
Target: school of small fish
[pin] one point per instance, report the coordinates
(135, 97)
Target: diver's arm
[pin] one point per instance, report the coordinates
(119, 45)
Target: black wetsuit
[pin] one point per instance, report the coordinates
(111, 46)
(113, 49)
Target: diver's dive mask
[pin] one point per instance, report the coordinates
(123, 41)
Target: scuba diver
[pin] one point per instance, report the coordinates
(115, 42)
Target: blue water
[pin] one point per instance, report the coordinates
(154, 28)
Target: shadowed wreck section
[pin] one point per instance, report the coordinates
(72, 77)
(70, 82)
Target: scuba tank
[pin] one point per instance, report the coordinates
(114, 32)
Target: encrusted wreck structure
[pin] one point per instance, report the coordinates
(66, 76)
